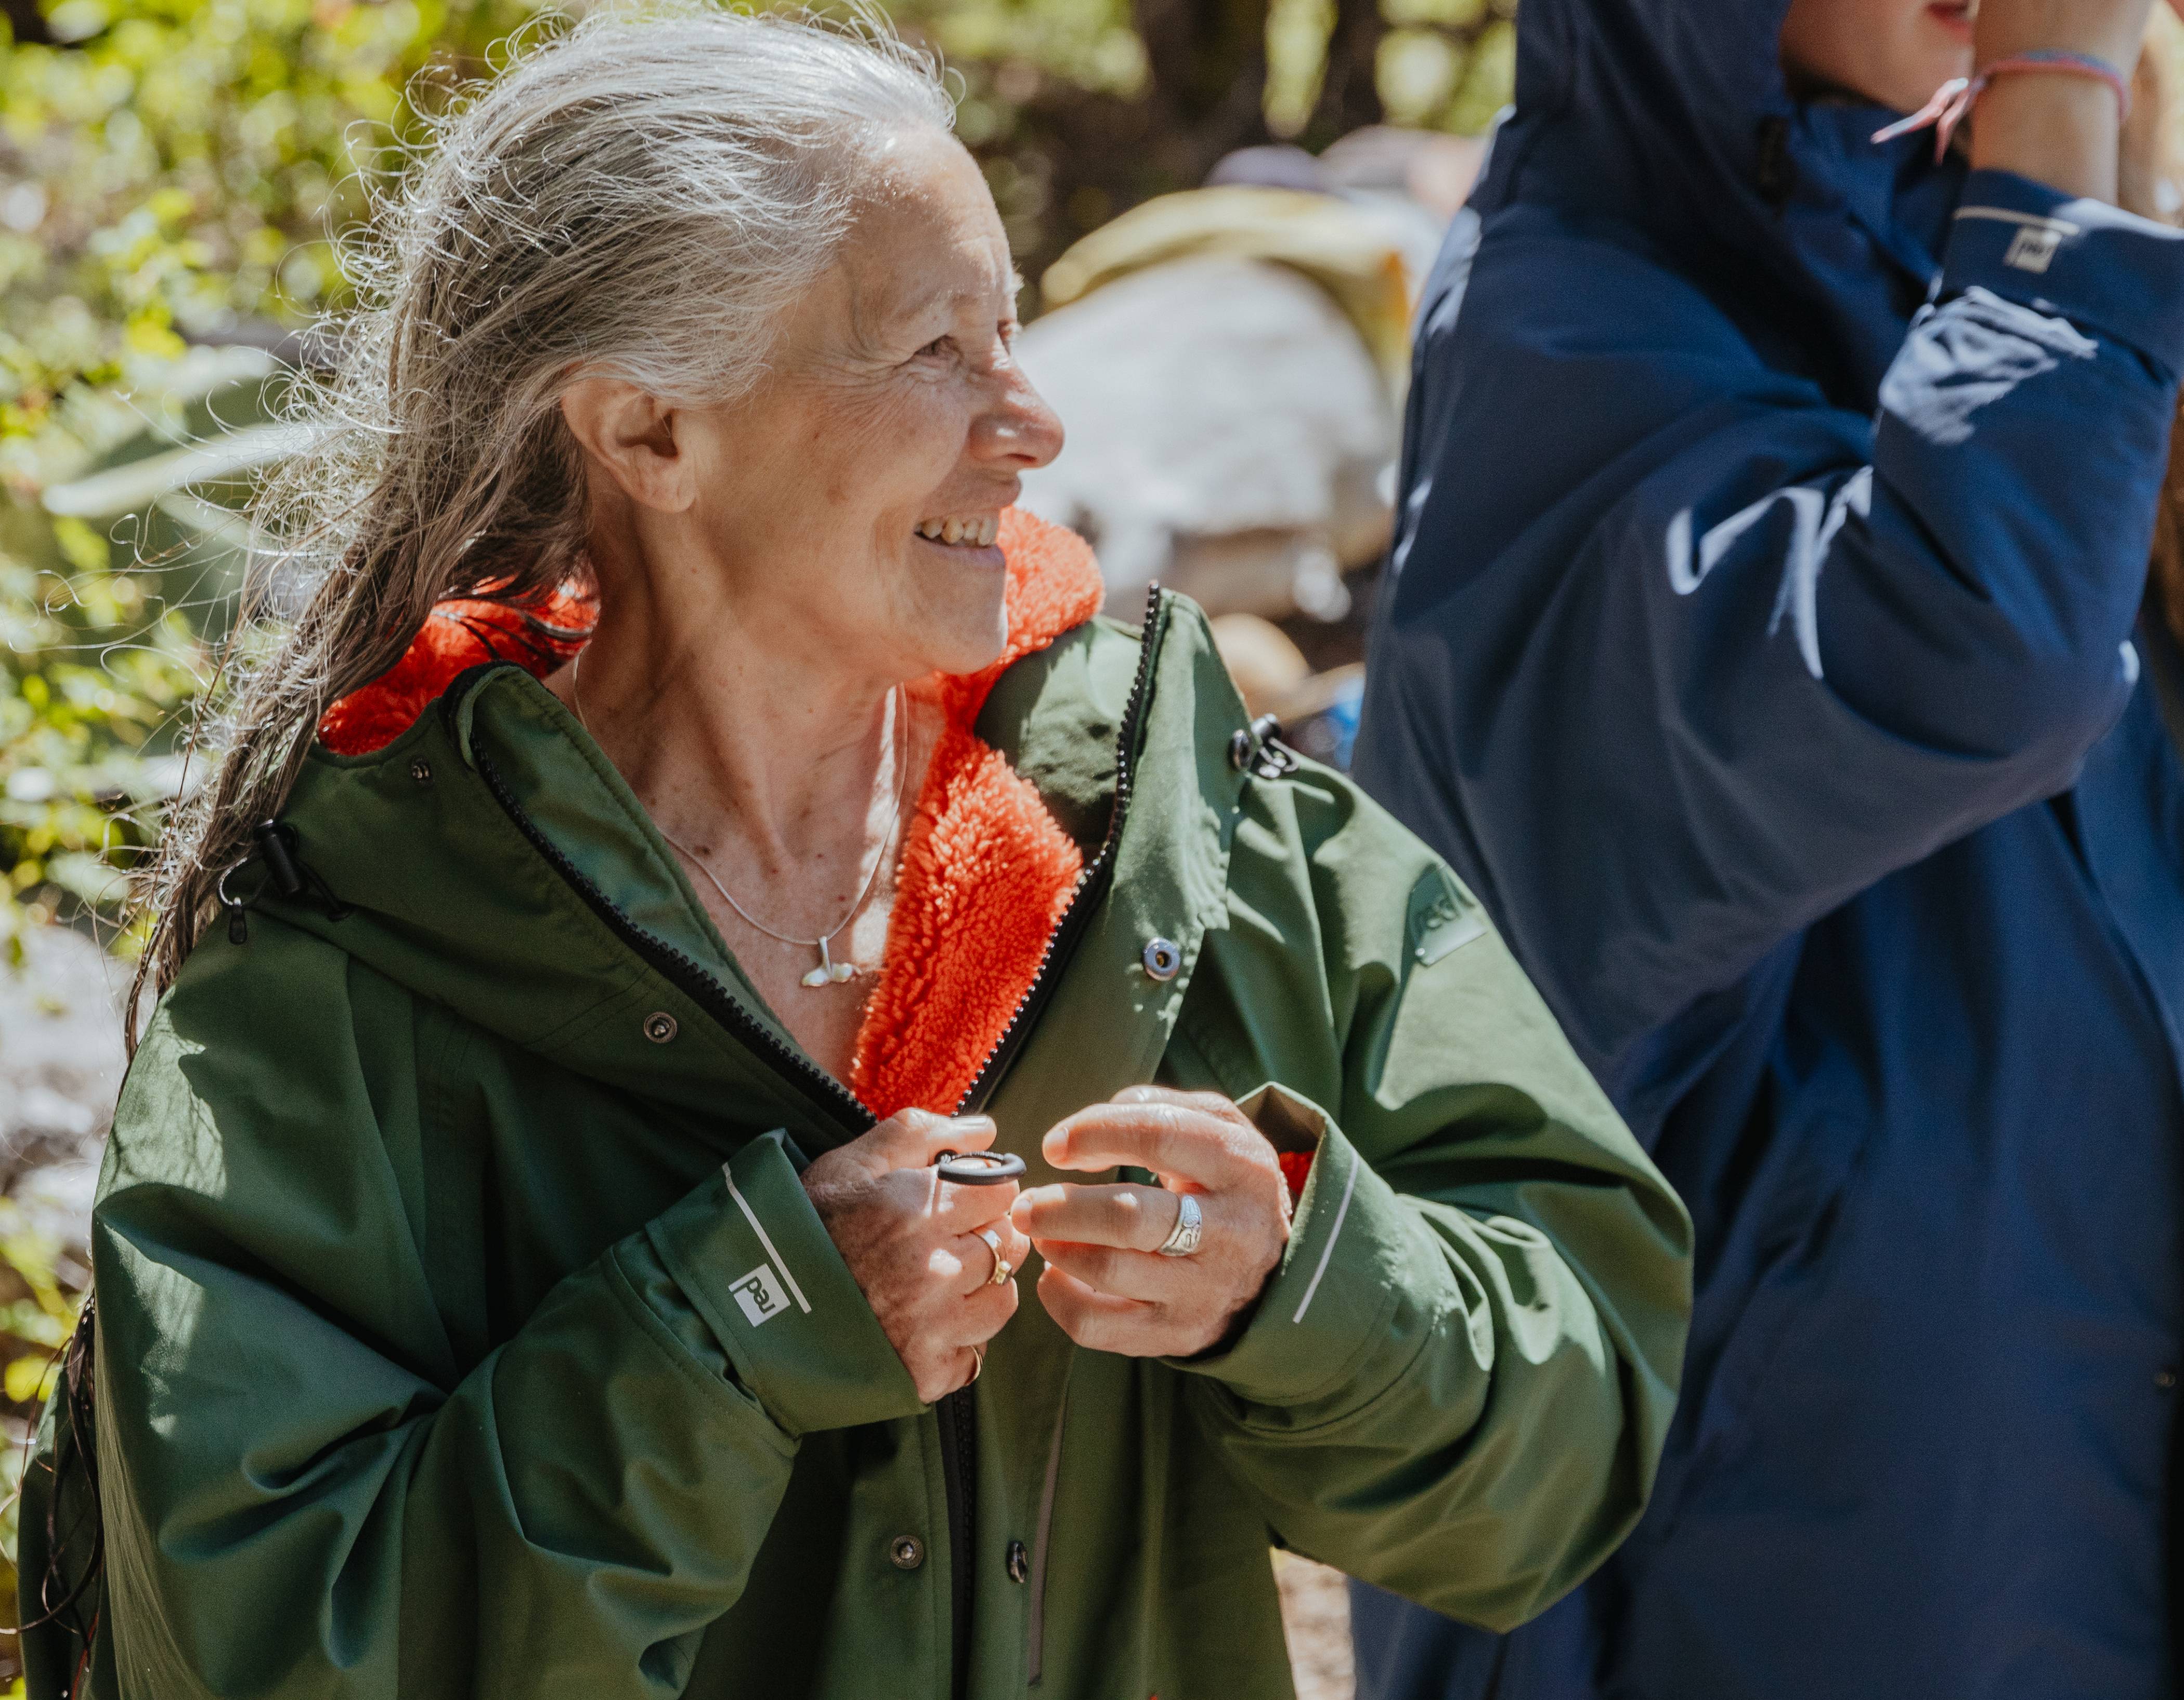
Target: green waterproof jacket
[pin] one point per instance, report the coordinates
(464, 1329)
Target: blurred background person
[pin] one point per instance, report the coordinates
(1765, 648)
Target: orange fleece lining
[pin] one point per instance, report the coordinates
(457, 637)
(986, 870)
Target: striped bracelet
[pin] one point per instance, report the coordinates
(1952, 103)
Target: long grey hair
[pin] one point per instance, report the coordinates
(639, 198)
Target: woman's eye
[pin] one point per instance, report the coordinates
(939, 345)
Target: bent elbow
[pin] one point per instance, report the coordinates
(2051, 710)
(2021, 712)
(1595, 1527)
(1586, 1493)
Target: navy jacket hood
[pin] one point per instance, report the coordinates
(1676, 120)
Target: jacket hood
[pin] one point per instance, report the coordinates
(1676, 118)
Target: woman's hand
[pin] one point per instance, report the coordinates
(911, 1241)
(1104, 1282)
(2058, 129)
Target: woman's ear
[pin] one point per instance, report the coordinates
(629, 435)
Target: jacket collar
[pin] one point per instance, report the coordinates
(451, 898)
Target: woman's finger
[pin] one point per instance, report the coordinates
(979, 1258)
(914, 1138)
(1211, 1103)
(1098, 1321)
(1127, 1275)
(1166, 1138)
(966, 1209)
(979, 1317)
(1137, 1219)
(961, 1303)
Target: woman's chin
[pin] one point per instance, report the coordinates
(1954, 20)
(962, 604)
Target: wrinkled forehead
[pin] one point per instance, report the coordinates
(924, 231)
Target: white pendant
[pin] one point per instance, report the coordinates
(829, 971)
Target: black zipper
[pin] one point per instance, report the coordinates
(959, 1484)
(955, 1412)
(1093, 887)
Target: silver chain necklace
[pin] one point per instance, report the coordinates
(828, 972)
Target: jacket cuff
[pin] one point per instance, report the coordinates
(2104, 269)
(753, 1260)
(1327, 1310)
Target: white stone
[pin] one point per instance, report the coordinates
(61, 1062)
(1229, 434)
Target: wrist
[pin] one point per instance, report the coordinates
(2113, 43)
(2065, 131)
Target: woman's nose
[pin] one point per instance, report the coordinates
(1020, 429)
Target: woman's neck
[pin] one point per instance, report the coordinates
(714, 741)
(776, 770)
(783, 773)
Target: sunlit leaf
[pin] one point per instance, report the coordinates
(26, 1378)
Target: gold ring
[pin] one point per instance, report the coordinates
(978, 1365)
(1001, 1270)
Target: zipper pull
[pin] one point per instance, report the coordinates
(292, 876)
(273, 850)
(239, 926)
(1258, 750)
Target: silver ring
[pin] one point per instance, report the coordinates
(1189, 1228)
(1001, 1270)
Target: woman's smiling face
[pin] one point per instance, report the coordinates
(852, 498)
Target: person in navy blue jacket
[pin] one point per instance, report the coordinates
(1763, 645)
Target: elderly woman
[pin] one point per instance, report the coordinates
(531, 1258)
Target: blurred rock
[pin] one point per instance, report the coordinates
(1368, 252)
(1315, 1618)
(1229, 434)
(1271, 165)
(1230, 364)
(61, 1062)
(1262, 659)
(1433, 170)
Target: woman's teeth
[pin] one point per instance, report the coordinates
(978, 533)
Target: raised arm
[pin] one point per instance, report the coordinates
(1673, 675)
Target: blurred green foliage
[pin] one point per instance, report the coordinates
(171, 171)
(40, 1288)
